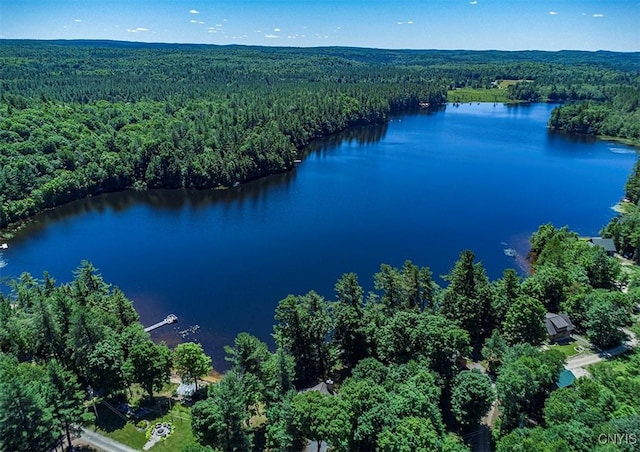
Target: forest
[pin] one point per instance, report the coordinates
(394, 359)
(78, 118)
(85, 117)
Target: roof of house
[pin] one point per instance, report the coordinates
(322, 388)
(607, 244)
(557, 323)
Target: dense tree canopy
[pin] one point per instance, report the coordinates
(78, 119)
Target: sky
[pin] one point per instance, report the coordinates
(391, 24)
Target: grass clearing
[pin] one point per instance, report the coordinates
(116, 428)
(463, 95)
(506, 83)
(568, 349)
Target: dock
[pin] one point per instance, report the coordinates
(168, 320)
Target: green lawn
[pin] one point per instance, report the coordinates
(111, 425)
(566, 349)
(462, 95)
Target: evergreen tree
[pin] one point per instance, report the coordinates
(221, 419)
(467, 301)
(302, 329)
(66, 398)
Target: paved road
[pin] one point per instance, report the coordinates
(582, 361)
(103, 443)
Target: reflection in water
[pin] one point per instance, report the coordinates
(162, 199)
(559, 135)
(254, 192)
(420, 188)
(362, 135)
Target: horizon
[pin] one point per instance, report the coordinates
(311, 47)
(481, 25)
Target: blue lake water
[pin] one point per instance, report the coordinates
(422, 187)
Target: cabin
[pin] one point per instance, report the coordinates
(324, 387)
(559, 326)
(608, 244)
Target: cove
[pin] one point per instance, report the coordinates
(423, 187)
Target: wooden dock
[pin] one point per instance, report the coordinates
(171, 318)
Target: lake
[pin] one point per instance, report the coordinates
(423, 187)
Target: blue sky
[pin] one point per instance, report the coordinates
(412, 24)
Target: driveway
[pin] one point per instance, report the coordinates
(103, 443)
(582, 361)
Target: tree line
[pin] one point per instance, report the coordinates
(624, 228)
(61, 344)
(82, 118)
(394, 357)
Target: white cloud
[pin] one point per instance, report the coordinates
(142, 29)
(410, 22)
(77, 20)
(258, 31)
(276, 30)
(291, 37)
(201, 22)
(193, 21)
(598, 15)
(400, 23)
(271, 36)
(474, 2)
(552, 13)
(194, 11)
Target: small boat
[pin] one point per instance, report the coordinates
(4, 246)
(235, 184)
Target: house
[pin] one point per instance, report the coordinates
(559, 326)
(324, 387)
(607, 244)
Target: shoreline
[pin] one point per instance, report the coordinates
(7, 233)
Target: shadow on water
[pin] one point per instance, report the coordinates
(362, 135)
(253, 192)
(565, 137)
(161, 199)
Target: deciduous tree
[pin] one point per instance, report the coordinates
(471, 397)
(191, 362)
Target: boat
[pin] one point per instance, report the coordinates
(4, 246)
